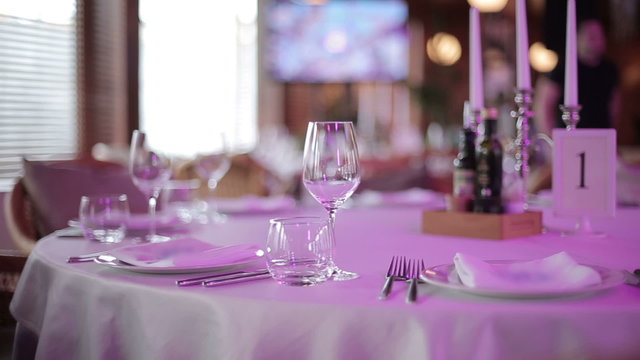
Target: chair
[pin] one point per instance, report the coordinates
(48, 195)
(18, 213)
(245, 177)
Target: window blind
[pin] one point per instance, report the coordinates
(37, 92)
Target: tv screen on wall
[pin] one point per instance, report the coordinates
(339, 41)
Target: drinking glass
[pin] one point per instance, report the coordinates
(299, 250)
(104, 218)
(331, 171)
(212, 165)
(150, 172)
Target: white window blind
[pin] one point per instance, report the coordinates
(37, 83)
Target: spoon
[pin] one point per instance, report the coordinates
(110, 260)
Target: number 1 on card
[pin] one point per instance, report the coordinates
(584, 172)
(582, 155)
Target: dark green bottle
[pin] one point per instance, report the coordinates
(488, 180)
(464, 167)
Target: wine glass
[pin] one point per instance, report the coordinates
(331, 171)
(150, 172)
(212, 165)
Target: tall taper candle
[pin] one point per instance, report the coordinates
(476, 87)
(571, 60)
(523, 74)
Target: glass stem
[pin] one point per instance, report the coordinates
(332, 217)
(153, 202)
(332, 223)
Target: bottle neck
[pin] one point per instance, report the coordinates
(489, 127)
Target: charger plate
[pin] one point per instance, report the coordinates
(113, 262)
(445, 276)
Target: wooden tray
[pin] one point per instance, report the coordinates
(485, 226)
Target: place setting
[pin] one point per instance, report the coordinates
(554, 276)
(299, 250)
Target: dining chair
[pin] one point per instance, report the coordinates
(18, 212)
(245, 177)
(48, 194)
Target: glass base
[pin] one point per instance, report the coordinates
(338, 274)
(156, 238)
(583, 229)
(583, 234)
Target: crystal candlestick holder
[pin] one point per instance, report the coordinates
(571, 115)
(523, 99)
(475, 120)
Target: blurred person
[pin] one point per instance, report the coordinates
(598, 94)
(598, 81)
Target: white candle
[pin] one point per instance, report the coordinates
(571, 60)
(523, 75)
(476, 87)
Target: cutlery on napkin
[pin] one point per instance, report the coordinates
(556, 272)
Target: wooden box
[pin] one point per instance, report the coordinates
(485, 226)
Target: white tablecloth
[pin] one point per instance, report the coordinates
(89, 311)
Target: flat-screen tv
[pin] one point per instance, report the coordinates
(339, 41)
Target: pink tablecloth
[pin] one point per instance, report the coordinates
(88, 311)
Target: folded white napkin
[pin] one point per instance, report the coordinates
(186, 252)
(556, 272)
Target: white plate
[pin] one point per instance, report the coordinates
(163, 221)
(181, 255)
(175, 269)
(143, 221)
(254, 205)
(410, 197)
(445, 276)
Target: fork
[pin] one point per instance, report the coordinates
(396, 270)
(414, 268)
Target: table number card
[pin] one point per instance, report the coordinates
(584, 172)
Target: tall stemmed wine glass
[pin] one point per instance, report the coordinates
(150, 172)
(331, 171)
(212, 165)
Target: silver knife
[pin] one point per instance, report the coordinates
(228, 275)
(631, 279)
(232, 279)
(85, 257)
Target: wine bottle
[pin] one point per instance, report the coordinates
(488, 178)
(464, 166)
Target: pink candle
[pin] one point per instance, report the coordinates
(523, 75)
(476, 87)
(571, 60)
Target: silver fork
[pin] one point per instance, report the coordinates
(413, 272)
(396, 270)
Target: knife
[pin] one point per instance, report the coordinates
(232, 279)
(631, 279)
(224, 276)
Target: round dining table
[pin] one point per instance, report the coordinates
(92, 311)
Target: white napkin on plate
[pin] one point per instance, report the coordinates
(185, 252)
(556, 272)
